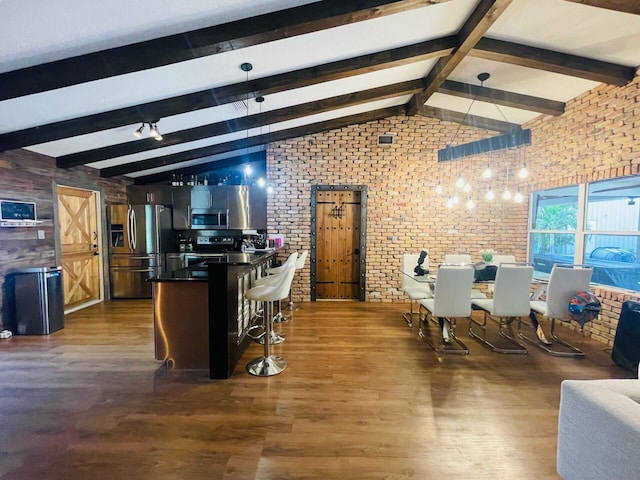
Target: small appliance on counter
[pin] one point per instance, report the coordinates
(260, 242)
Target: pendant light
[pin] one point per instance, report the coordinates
(489, 195)
(518, 198)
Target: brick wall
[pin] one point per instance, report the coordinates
(596, 138)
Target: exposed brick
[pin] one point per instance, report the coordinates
(594, 139)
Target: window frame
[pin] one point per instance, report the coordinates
(580, 233)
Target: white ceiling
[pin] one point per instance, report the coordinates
(34, 32)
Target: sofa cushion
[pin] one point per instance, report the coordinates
(599, 429)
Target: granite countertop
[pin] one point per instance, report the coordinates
(199, 271)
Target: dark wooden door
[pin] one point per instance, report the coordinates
(338, 246)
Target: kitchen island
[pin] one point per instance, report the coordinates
(201, 317)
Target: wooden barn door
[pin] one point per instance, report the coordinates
(79, 247)
(337, 252)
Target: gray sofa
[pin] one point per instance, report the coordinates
(599, 429)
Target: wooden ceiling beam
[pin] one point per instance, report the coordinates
(153, 111)
(280, 135)
(240, 123)
(550, 61)
(480, 20)
(502, 97)
(626, 6)
(197, 43)
(469, 120)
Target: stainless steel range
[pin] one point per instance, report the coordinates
(211, 244)
(208, 241)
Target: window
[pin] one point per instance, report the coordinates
(553, 227)
(596, 224)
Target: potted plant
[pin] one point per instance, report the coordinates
(487, 254)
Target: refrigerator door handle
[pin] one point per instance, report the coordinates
(134, 233)
(133, 270)
(129, 227)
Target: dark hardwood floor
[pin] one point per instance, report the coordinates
(362, 398)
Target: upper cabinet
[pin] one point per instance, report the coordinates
(246, 205)
(181, 208)
(257, 208)
(213, 196)
(150, 194)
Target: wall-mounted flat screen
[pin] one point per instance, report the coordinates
(17, 211)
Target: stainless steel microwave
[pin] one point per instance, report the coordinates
(209, 218)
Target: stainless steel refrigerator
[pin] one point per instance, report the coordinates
(139, 237)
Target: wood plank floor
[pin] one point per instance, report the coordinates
(362, 398)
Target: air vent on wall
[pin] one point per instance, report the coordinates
(385, 139)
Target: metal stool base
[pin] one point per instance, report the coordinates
(266, 366)
(280, 318)
(275, 338)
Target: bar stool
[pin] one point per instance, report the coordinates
(278, 317)
(302, 258)
(269, 293)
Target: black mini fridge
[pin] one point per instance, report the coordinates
(35, 301)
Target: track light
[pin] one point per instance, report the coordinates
(138, 132)
(153, 132)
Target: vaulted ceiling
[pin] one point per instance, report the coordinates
(78, 78)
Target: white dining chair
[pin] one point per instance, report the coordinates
(511, 296)
(452, 258)
(564, 281)
(451, 300)
(411, 287)
(499, 259)
(462, 259)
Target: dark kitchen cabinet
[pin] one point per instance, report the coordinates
(150, 194)
(181, 208)
(210, 196)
